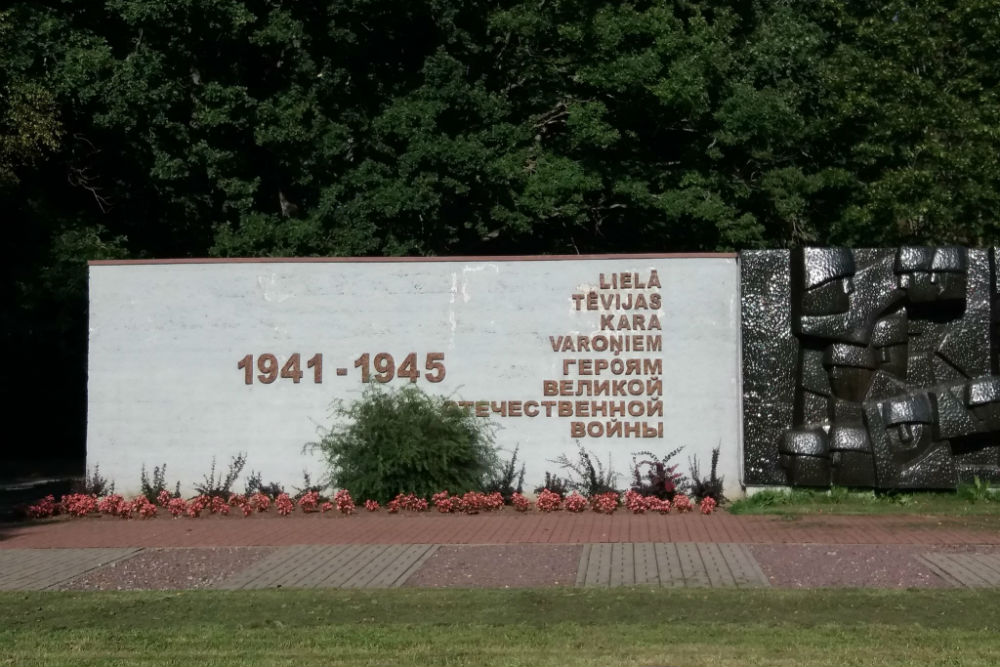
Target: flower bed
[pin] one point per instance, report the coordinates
(472, 502)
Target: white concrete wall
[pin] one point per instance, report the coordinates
(165, 340)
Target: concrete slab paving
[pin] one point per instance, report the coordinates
(40, 569)
(669, 565)
(968, 570)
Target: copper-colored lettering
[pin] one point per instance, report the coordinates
(267, 364)
(246, 365)
(315, 362)
(385, 367)
(514, 409)
(654, 280)
(577, 430)
(531, 408)
(362, 363)
(435, 363)
(550, 388)
(408, 369)
(291, 369)
(649, 432)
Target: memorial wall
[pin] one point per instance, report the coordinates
(191, 360)
(875, 368)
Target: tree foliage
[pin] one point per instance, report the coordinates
(172, 128)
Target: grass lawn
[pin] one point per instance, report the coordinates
(968, 501)
(502, 627)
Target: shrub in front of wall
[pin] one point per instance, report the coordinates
(394, 441)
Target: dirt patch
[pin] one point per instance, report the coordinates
(499, 566)
(170, 569)
(853, 565)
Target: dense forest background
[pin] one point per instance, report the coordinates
(188, 128)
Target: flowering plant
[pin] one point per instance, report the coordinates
(112, 504)
(637, 503)
(79, 504)
(548, 501)
(520, 503)
(407, 501)
(345, 504)
(682, 503)
(284, 504)
(177, 506)
(605, 503)
(143, 507)
(219, 505)
(661, 505)
(326, 507)
(707, 505)
(44, 508)
(259, 502)
(575, 502)
(442, 502)
(309, 501)
(372, 505)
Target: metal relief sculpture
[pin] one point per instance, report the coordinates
(870, 367)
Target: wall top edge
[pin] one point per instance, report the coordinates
(389, 260)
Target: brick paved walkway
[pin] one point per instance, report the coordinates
(503, 528)
(382, 551)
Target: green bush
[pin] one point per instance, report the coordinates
(394, 441)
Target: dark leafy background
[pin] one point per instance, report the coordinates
(182, 128)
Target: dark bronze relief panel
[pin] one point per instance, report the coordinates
(870, 367)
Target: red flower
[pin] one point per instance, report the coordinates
(520, 503)
(548, 501)
(575, 502)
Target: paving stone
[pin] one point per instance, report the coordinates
(39, 569)
(969, 570)
(669, 565)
